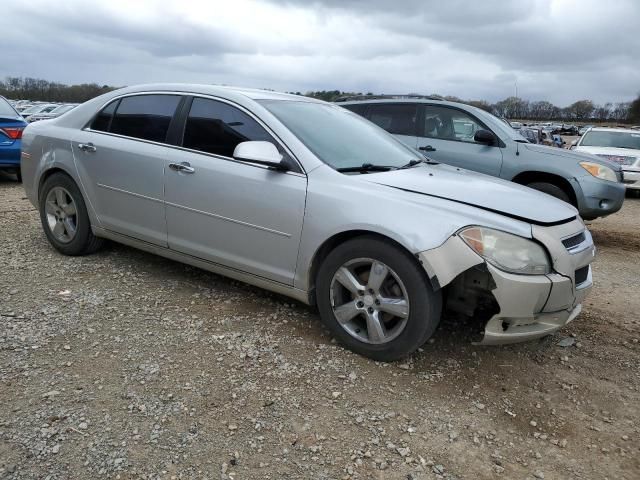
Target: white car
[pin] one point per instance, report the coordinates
(619, 145)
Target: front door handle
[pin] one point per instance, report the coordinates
(87, 147)
(427, 148)
(184, 167)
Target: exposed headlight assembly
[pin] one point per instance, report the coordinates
(507, 252)
(599, 171)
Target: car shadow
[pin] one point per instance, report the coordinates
(8, 179)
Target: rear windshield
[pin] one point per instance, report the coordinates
(6, 109)
(611, 139)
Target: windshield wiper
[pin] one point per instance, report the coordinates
(366, 167)
(415, 162)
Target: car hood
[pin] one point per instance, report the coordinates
(622, 152)
(478, 190)
(573, 155)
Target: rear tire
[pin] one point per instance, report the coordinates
(551, 189)
(64, 217)
(388, 310)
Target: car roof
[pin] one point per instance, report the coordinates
(215, 90)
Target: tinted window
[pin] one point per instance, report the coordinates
(215, 127)
(449, 124)
(145, 116)
(358, 108)
(395, 118)
(103, 119)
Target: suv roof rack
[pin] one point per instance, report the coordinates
(348, 98)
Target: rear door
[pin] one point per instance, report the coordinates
(446, 135)
(120, 158)
(236, 214)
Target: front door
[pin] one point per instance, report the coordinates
(447, 137)
(239, 215)
(120, 158)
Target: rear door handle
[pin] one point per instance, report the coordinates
(184, 167)
(427, 148)
(87, 147)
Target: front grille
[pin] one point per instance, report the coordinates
(582, 274)
(574, 241)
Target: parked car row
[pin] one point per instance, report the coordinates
(34, 111)
(382, 230)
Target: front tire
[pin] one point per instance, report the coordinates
(64, 217)
(376, 299)
(550, 189)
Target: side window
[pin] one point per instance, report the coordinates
(145, 116)
(215, 127)
(399, 119)
(102, 122)
(449, 124)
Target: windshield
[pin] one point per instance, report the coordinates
(338, 137)
(6, 109)
(611, 139)
(34, 109)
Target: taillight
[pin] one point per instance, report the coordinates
(14, 133)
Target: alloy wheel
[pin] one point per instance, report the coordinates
(369, 301)
(62, 214)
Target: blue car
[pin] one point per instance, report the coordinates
(11, 127)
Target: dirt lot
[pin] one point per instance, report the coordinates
(125, 365)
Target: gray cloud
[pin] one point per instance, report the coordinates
(554, 49)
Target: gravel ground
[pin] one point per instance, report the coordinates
(126, 365)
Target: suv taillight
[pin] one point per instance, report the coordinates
(14, 133)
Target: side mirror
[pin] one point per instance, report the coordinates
(573, 144)
(485, 136)
(261, 153)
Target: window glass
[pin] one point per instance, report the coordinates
(6, 108)
(449, 124)
(216, 127)
(398, 119)
(599, 138)
(145, 116)
(103, 119)
(358, 108)
(340, 138)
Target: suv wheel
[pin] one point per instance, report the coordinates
(64, 217)
(550, 189)
(376, 299)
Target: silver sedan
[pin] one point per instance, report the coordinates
(309, 200)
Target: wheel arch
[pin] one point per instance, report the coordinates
(530, 176)
(338, 239)
(48, 173)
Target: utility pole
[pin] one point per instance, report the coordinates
(516, 86)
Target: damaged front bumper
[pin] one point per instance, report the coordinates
(526, 306)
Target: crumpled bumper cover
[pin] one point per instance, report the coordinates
(531, 306)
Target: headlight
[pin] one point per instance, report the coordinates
(599, 171)
(507, 252)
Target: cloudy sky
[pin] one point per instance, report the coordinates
(557, 50)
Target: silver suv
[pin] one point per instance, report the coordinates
(307, 199)
(468, 137)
